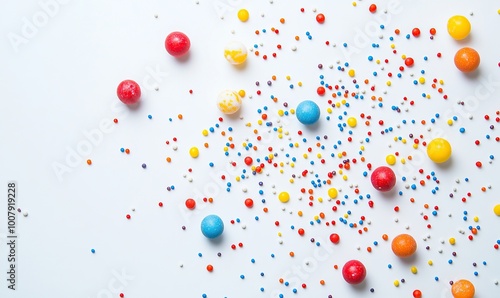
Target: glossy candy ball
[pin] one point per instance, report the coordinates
(383, 178)
(354, 272)
(228, 102)
(439, 150)
(128, 92)
(235, 52)
(212, 226)
(463, 289)
(177, 44)
(458, 27)
(307, 112)
(467, 59)
(404, 245)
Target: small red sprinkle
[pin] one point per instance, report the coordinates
(128, 216)
(160, 204)
(479, 164)
(373, 8)
(115, 120)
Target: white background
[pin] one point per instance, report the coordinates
(59, 95)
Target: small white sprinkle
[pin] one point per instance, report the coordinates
(25, 214)
(294, 48)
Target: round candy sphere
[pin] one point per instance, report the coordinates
(404, 245)
(463, 289)
(235, 52)
(307, 112)
(467, 59)
(458, 27)
(212, 226)
(354, 272)
(177, 44)
(229, 102)
(439, 150)
(383, 178)
(128, 92)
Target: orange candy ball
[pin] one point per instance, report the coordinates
(467, 59)
(404, 245)
(463, 289)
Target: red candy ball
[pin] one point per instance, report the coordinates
(128, 92)
(409, 61)
(334, 238)
(354, 272)
(383, 178)
(177, 44)
(249, 203)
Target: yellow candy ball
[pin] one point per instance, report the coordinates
(352, 122)
(458, 27)
(284, 197)
(439, 150)
(235, 52)
(229, 102)
(194, 152)
(333, 193)
(390, 159)
(496, 209)
(243, 15)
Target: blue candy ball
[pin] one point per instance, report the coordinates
(307, 112)
(212, 226)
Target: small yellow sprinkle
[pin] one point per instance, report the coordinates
(341, 171)
(300, 84)
(403, 57)
(292, 111)
(305, 155)
(316, 217)
(415, 146)
(352, 73)
(346, 215)
(421, 80)
(292, 165)
(378, 61)
(403, 160)
(414, 270)
(396, 283)
(362, 148)
(476, 219)
(291, 180)
(388, 83)
(441, 82)
(452, 241)
(318, 155)
(344, 177)
(404, 141)
(354, 4)
(238, 178)
(242, 93)
(296, 145)
(281, 113)
(279, 234)
(430, 262)
(320, 199)
(329, 110)
(393, 46)
(450, 122)
(204, 132)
